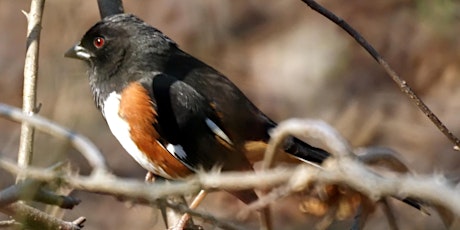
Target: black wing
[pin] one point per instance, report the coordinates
(188, 121)
(244, 121)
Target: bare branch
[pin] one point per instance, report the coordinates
(344, 170)
(109, 184)
(402, 84)
(34, 18)
(81, 143)
(37, 219)
(32, 190)
(109, 7)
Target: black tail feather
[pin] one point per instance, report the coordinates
(305, 151)
(416, 204)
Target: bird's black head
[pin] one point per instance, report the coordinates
(121, 43)
(120, 49)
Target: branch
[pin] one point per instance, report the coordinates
(308, 129)
(143, 193)
(344, 170)
(81, 143)
(29, 98)
(36, 219)
(109, 7)
(32, 190)
(405, 88)
(108, 184)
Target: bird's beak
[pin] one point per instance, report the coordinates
(78, 52)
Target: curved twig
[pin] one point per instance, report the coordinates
(309, 129)
(380, 156)
(81, 143)
(404, 87)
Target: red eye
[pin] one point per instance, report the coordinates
(99, 42)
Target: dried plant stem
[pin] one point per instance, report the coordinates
(34, 18)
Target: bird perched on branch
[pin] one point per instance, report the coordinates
(170, 111)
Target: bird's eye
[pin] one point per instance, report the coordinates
(99, 42)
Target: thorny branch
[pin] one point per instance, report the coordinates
(344, 170)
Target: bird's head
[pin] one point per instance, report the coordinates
(121, 40)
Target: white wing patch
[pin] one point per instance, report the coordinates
(177, 151)
(216, 130)
(120, 129)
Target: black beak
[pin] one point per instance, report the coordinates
(78, 52)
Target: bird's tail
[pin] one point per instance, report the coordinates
(304, 151)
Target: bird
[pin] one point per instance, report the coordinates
(174, 114)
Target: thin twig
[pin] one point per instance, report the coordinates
(29, 97)
(405, 88)
(81, 143)
(205, 216)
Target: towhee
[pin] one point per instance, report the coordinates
(171, 112)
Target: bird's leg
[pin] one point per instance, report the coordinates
(182, 222)
(184, 219)
(150, 178)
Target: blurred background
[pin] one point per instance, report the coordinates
(289, 60)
